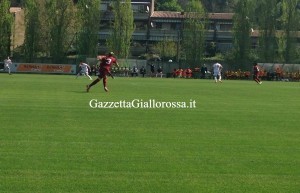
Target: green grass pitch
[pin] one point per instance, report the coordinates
(240, 138)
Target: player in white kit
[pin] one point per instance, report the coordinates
(217, 67)
(7, 63)
(84, 70)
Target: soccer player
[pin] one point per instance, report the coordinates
(159, 72)
(100, 60)
(143, 71)
(188, 73)
(152, 69)
(217, 67)
(7, 63)
(85, 68)
(203, 71)
(256, 73)
(104, 70)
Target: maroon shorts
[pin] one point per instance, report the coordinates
(255, 76)
(103, 72)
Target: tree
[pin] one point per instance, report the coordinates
(287, 37)
(241, 31)
(60, 14)
(193, 33)
(89, 24)
(6, 20)
(32, 26)
(219, 5)
(44, 25)
(166, 49)
(123, 27)
(267, 15)
(168, 5)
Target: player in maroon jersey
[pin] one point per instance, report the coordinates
(104, 70)
(256, 73)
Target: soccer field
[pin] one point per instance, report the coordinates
(240, 137)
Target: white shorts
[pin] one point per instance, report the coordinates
(84, 72)
(217, 73)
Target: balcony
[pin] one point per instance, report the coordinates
(167, 34)
(108, 15)
(138, 35)
(141, 16)
(220, 35)
(163, 34)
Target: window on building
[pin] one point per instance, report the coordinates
(141, 25)
(138, 8)
(103, 7)
(158, 25)
(211, 26)
(175, 26)
(225, 27)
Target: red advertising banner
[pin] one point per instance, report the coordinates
(47, 68)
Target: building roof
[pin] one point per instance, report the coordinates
(167, 14)
(181, 15)
(221, 16)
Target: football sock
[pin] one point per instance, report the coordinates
(94, 82)
(89, 77)
(104, 81)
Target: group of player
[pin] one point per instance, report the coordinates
(278, 74)
(182, 73)
(106, 62)
(217, 67)
(187, 73)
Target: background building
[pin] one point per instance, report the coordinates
(150, 27)
(153, 26)
(142, 10)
